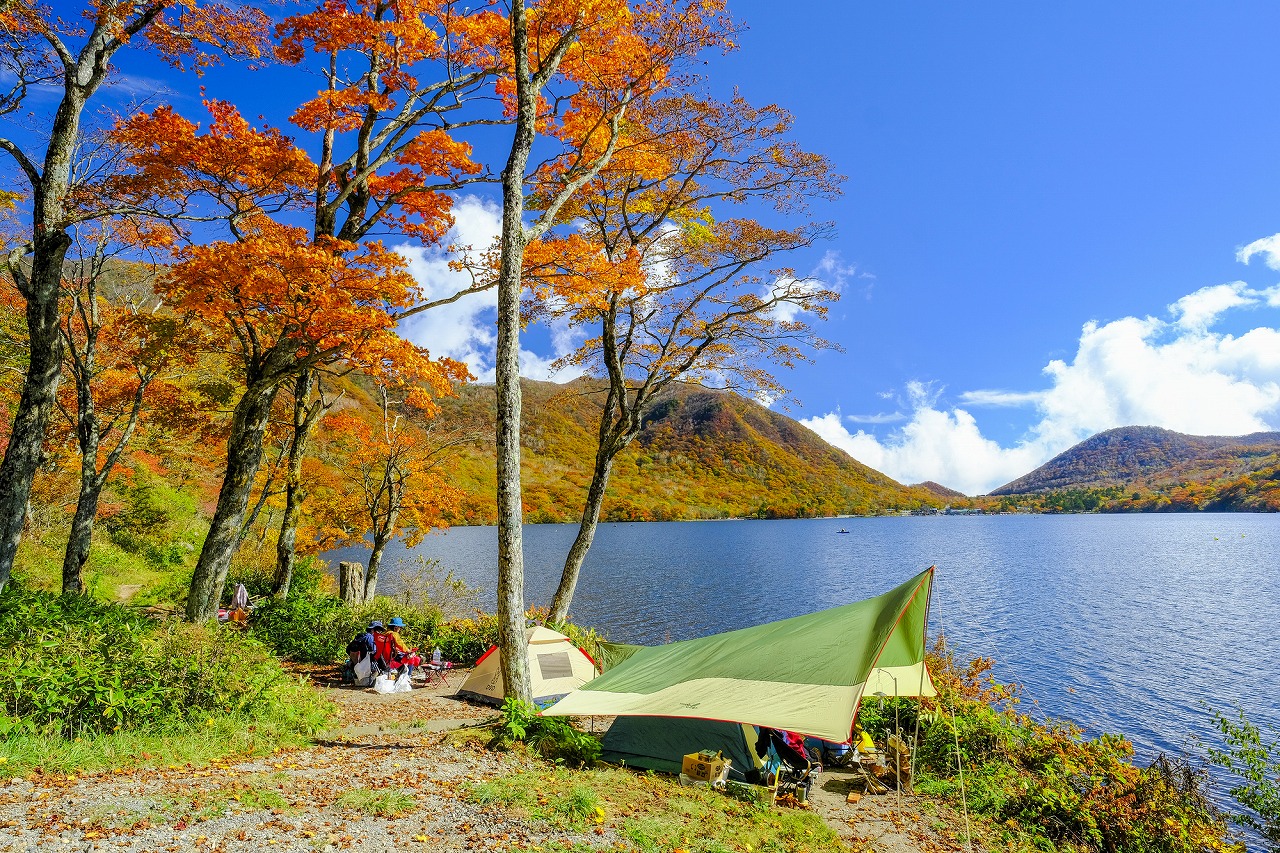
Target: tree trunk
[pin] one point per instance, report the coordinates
(511, 620)
(305, 417)
(350, 582)
(375, 560)
(586, 533)
(286, 543)
(244, 454)
(50, 241)
(77, 553)
(39, 391)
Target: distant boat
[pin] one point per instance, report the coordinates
(842, 530)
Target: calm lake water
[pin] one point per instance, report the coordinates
(1120, 623)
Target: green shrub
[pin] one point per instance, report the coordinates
(317, 629)
(304, 629)
(71, 666)
(142, 520)
(553, 738)
(1042, 785)
(259, 577)
(1256, 762)
(463, 641)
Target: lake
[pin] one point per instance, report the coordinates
(1120, 623)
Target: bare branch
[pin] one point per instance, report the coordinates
(24, 162)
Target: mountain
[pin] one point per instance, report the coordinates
(938, 489)
(703, 453)
(1151, 459)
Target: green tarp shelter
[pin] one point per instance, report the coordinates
(807, 674)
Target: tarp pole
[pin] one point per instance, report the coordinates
(964, 798)
(924, 648)
(955, 732)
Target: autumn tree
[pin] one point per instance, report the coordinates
(665, 290)
(397, 79)
(118, 345)
(40, 52)
(572, 70)
(394, 480)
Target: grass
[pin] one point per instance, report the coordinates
(382, 802)
(558, 798)
(228, 736)
(650, 813)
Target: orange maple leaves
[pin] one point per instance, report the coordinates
(273, 284)
(245, 171)
(382, 478)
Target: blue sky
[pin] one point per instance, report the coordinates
(1042, 235)
(1018, 171)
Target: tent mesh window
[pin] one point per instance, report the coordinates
(555, 665)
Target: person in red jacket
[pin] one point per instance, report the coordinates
(393, 652)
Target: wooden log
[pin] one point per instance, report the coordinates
(351, 582)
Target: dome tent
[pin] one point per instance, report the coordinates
(556, 668)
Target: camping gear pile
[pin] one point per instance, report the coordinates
(240, 608)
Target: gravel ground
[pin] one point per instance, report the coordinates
(294, 801)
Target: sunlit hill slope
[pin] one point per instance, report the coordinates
(703, 454)
(1148, 468)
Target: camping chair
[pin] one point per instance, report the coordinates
(795, 773)
(439, 667)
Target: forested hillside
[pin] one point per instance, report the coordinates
(1152, 469)
(702, 454)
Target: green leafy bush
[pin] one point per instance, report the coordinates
(1044, 786)
(71, 666)
(259, 577)
(553, 738)
(316, 629)
(304, 629)
(1256, 761)
(463, 641)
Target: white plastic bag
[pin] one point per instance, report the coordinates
(363, 672)
(402, 681)
(384, 684)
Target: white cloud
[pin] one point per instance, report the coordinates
(1268, 247)
(1000, 398)
(878, 418)
(466, 330)
(831, 273)
(1176, 374)
(1199, 310)
(534, 366)
(945, 447)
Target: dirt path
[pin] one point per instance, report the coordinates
(126, 591)
(882, 823)
(326, 798)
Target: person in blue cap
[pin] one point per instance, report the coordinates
(364, 645)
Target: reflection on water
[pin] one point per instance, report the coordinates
(1119, 623)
